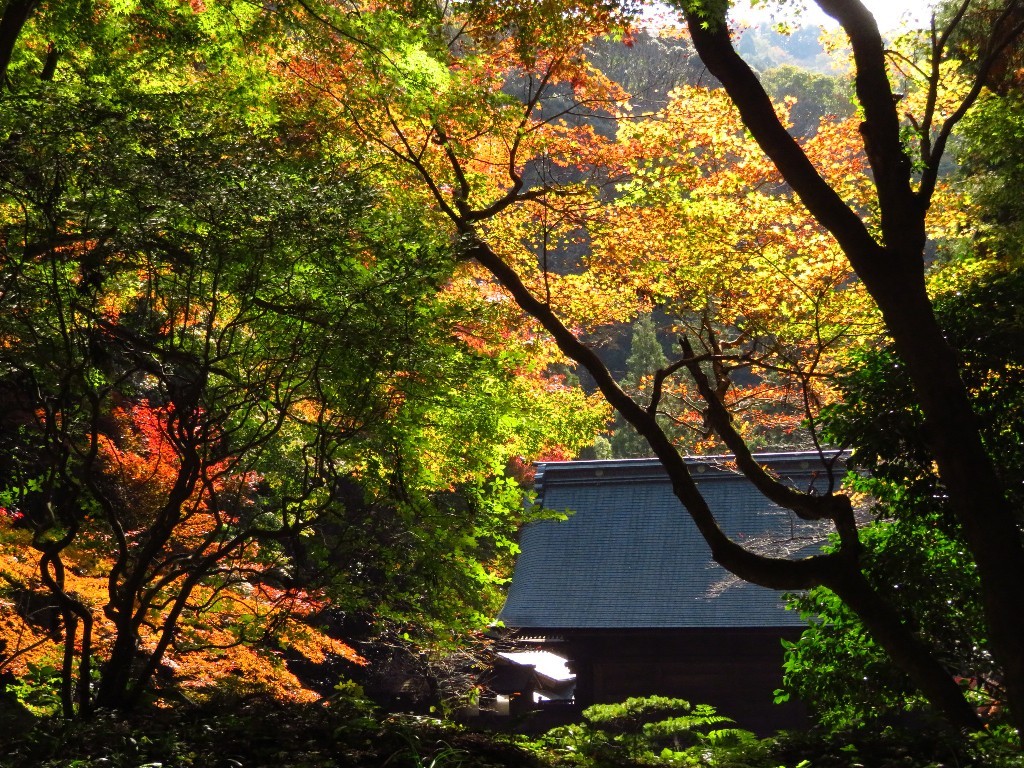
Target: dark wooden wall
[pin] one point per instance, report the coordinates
(736, 670)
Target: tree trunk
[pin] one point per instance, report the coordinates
(124, 606)
(16, 15)
(975, 491)
(893, 273)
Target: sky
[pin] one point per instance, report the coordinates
(889, 13)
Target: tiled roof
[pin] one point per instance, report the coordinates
(630, 557)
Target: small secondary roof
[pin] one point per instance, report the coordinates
(628, 556)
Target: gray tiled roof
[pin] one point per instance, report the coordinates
(630, 557)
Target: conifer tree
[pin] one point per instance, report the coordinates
(646, 356)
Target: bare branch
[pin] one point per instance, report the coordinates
(807, 507)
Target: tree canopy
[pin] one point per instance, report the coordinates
(291, 296)
(862, 220)
(236, 390)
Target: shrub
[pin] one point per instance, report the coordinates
(647, 731)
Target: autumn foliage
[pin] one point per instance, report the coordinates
(291, 297)
(234, 408)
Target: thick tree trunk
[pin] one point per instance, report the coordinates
(975, 491)
(16, 15)
(893, 274)
(905, 649)
(116, 672)
(127, 606)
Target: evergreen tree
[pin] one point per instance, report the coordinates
(646, 356)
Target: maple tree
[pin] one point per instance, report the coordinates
(232, 400)
(889, 261)
(155, 403)
(486, 125)
(746, 274)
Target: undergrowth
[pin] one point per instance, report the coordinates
(258, 731)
